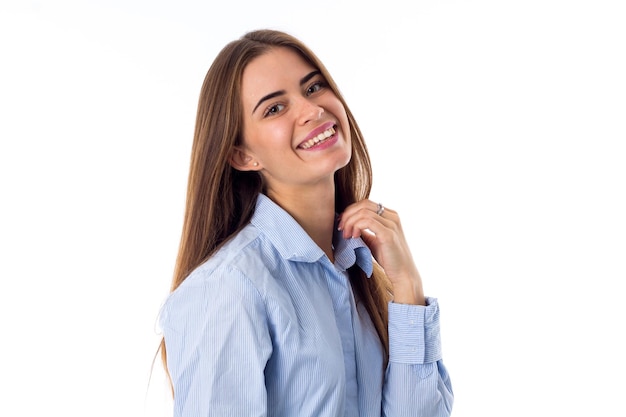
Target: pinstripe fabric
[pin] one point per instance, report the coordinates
(269, 327)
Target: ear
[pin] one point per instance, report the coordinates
(241, 161)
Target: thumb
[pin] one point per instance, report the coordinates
(369, 238)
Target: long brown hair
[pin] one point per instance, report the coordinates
(221, 200)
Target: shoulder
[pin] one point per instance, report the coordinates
(248, 256)
(240, 272)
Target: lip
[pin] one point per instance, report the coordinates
(312, 134)
(323, 145)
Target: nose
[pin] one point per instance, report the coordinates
(310, 111)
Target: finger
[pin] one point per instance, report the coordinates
(357, 209)
(366, 220)
(364, 209)
(375, 207)
(380, 209)
(350, 217)
(359, 205)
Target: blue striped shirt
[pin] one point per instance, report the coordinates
(268, 326)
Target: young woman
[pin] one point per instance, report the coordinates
(293, 294)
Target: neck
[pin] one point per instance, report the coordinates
(314, 211)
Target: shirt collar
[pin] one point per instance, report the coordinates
(293, 243)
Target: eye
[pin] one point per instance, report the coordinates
(273, 109)
(315, 87)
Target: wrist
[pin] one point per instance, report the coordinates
(408, 293)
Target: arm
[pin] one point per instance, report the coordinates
(216, 342)
(416, 382)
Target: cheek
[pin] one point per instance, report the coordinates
(258, 135)
(340, 113)
(345, 127)
(279, 134)
(269, 141)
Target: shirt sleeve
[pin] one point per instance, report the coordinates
(416, 381)
(217, 343)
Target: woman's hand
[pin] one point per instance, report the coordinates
(384, 236)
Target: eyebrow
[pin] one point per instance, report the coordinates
(270, 96)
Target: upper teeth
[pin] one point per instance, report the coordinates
(322, 136)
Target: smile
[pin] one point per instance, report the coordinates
(322, 137)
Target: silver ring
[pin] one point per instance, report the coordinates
(381, 209)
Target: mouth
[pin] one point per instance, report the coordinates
(322, 137)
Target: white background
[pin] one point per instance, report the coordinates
(496, 129)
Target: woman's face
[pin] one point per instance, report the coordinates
(295, 129)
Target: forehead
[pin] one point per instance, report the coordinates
(277, 69)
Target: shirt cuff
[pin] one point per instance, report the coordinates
(414, 336)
